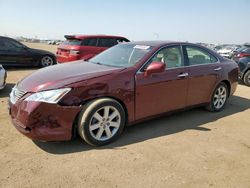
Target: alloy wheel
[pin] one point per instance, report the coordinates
(220, 97)
(47, 61)
(104, 123)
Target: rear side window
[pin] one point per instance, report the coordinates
(89, 42)
(72, 42)
(197, 56)
(107, 42)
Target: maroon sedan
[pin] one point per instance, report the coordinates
(125, 84)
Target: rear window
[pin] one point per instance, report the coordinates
(72, 42)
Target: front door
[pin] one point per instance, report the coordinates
(162, 92)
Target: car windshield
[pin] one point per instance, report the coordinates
(122, 55)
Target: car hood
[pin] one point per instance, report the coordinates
(58, 76)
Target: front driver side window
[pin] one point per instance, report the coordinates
(171, 56)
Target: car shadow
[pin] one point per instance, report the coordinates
(13, 69)
(175, 123)
(7, 89)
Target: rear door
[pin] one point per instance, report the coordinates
(204, 71)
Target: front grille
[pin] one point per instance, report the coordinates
(16, 94)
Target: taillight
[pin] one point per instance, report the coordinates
(240, 55)
(74, 52)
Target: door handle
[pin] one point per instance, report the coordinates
(218, 69)
(183, 75)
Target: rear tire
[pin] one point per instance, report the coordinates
(47, 61)
(246, 78)
(219, 98)
(101, 121)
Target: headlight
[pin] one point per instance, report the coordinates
(51, 96)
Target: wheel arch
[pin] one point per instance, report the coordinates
(75, 123)
(44, 55)
(247, 69)
(228, 84)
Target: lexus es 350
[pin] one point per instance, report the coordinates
(125, 84)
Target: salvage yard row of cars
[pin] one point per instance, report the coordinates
(128, 82)
(241, 55)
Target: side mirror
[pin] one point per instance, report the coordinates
(154, 67)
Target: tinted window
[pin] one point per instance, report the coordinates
(89, 42)
(197, 56)
(9, 45)
(72, 42)
(121, 40)
(108, 42)
(171, 56)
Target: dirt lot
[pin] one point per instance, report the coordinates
(195, 148)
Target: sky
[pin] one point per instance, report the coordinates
(211, 21)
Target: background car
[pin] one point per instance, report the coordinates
(227, 51)
(240, 53)
(84, 47)
(216, 48)
(125, 84)
(244, 67)
(14, 53)
(3, 76)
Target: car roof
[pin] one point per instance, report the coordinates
(4, 37)
(161, 43)
(91, 36)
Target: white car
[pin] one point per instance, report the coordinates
(3, 76)
(227, 51)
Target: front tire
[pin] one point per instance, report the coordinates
(246, 78)
(101, 121)
(47, 61)
(219, 98)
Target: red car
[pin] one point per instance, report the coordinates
(127, 83)
(84, 47)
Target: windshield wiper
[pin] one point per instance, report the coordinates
(95, 62)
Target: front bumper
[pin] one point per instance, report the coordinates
(43, 121)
